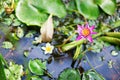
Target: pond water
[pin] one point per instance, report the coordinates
(105, 63)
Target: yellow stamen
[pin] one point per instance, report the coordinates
(48, 48)
(85, 32)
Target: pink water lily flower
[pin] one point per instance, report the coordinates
(85, 32)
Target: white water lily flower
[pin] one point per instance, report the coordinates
(48, 49)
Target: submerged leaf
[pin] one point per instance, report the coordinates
(47, 30)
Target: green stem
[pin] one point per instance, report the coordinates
(2, 72)
(66, 40)
(48, 74)
(93, 68)
(71, 45)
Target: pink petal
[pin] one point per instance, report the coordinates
(92, 27)
(94, 33)
(87, 25)
(79, 28)
(89, 38)
(78, 38)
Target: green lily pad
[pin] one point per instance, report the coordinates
(88, 8)
(69, 74)
(37, 66)
(108, 6)
(35, 12)
(54, 7)
(28, 14)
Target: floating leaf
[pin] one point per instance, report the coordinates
(110, 63)
(30, 34)
(20, 32)
(7, 45)
(35, 12)
(71, 5)
(47, 30)
(28, 14)
(26, 53)
(69, 74)
(54, 7)
(37, 66)
(107, 6)
(37, 40)
(91, 75)
(88, 8)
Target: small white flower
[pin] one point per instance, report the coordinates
(48, 49)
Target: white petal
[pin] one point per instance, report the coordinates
(43, 48)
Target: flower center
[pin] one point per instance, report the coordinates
(85, 32)
(48, 48)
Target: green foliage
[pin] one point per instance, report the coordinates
(97, 46)
(14, 71)
(90, 8)
(37, 66)
(11, 20)
(91, 75)
(77, 52)
(69, 74)
(108, 6)
(2, 72)
(35, 78)
(36, 12)
(87, 8)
